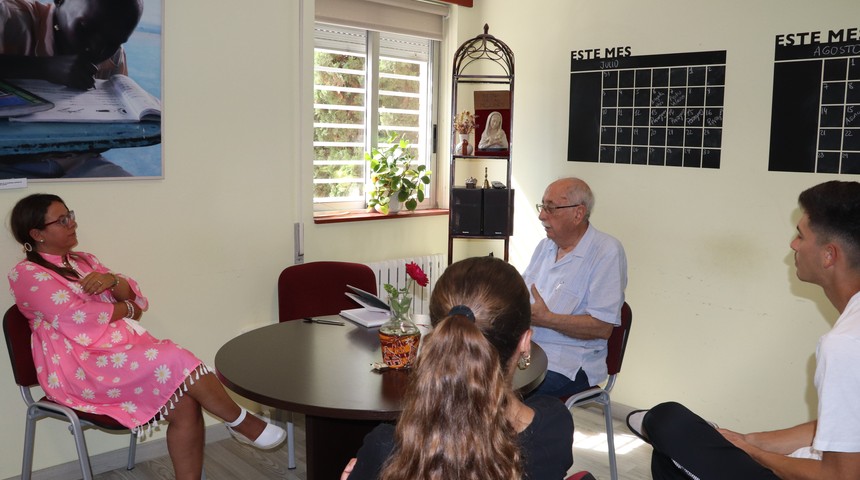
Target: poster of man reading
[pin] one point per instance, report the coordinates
(80, 89)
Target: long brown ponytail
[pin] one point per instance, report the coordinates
(454, 423)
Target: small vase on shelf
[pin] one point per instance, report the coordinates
(399, 336)
(463, 148)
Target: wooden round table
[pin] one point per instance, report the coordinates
(324, 372)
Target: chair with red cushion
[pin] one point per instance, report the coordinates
(16, 328)
(616, 344)
(315, 289)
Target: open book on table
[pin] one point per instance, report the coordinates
(365, 317)
(118, 99)
(367, 299)
(373, 311)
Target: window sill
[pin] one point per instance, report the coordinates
(363, 215)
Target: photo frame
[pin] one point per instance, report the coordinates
(73, 142)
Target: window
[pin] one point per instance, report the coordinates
(367, 85)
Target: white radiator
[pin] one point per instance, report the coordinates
(394, 272)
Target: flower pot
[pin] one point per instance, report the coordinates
(393, 204)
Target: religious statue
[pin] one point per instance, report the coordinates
(494, 137)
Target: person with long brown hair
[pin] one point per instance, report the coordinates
(461, 417)
(95, 356)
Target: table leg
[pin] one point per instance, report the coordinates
(331, 442)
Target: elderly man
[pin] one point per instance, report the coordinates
(577, 277)
(827, 254)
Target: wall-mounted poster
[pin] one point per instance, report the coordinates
(80, 89)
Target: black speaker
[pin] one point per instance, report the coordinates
(466, 211)
(498, 212)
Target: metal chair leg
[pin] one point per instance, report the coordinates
(132, 451)
(29, 445)
(610, 438)
(291, 444)
(81, 446)
(286, 418)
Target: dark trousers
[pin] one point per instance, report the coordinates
(678, 434)
(558, 385)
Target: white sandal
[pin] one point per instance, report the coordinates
(271, 437)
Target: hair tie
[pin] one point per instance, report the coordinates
(462, 310)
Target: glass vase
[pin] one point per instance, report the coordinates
(399, 336)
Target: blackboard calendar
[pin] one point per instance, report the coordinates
(648, 109)
(815, 119)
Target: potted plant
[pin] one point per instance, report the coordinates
(394, 179)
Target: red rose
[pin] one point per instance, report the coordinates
(414, 271)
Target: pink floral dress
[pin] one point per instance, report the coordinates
(87, 362)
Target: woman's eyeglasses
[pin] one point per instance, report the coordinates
(64, 220)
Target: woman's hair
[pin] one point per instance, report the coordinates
(454, 423)
(29, 213)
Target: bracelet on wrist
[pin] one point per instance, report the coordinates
(130, 309)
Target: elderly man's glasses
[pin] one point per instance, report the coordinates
(550, 209)
(64, 220)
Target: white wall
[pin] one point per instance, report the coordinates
(208, 241)
(718, 312)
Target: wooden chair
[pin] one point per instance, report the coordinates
(17, 331)
(314, 289)
(617, 344)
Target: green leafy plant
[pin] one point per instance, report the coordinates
(392, 173)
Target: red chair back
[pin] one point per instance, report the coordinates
(617, 343)
(16, 329)
(317, 288)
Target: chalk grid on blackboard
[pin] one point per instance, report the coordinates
(815, 119)
(648, 110)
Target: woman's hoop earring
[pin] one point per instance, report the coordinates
(524, 361)
(27, 247)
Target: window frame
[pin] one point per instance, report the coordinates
(429, 112)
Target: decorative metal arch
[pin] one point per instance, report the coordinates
(484, 47)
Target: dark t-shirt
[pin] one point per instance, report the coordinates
(546, 444)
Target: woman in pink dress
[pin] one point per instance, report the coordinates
(92, 354)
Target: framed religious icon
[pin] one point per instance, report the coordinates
(493, 128)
